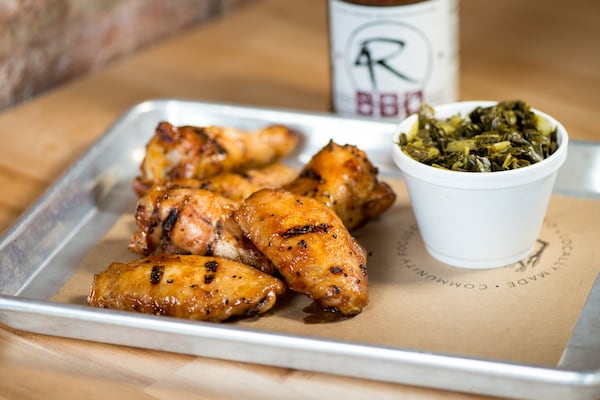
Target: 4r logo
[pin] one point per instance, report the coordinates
(388, 64)
(365, 58)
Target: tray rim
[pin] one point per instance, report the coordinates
(585, 383)
(412, 366)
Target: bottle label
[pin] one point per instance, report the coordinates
(386, 61)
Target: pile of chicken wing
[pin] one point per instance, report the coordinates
(225, 228)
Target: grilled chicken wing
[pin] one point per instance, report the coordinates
(185, 286)
(345, 180)
(192, 221)
(201, 152)
(239, 185)
(309, 245)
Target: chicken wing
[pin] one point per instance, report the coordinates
(201, 152)
(345, 180)
(185, 286)
(309, 245)
(192, 221)
(238, 185)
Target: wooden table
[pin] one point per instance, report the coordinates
(272, 53)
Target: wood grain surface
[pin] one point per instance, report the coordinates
(270, 53)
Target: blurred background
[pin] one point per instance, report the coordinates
(44, 43)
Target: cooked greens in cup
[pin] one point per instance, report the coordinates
(508, 135)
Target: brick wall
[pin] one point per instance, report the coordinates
(47, 42)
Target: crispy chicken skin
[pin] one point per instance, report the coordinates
(192, 221)
(185, 286)
(202, 152)
(345, 180)
(309, 245)
(239, 185)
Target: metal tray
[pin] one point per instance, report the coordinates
(45, 246)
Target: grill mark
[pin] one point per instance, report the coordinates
(201, 132)
(245, 175)
(156, 274)
(211, 266)
(214, 239)
(302, 230)
(167, 132)
(169, 223)
(336, 270)
(209, 142)
(218, 147)
(312, 174)
(210, 249)
(154, 217)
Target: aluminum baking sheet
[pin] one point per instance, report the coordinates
(45, 246)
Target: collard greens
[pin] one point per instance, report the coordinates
(505, 136)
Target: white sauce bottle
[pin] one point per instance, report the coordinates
(388, 57)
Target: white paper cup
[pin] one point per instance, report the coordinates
(479, 220)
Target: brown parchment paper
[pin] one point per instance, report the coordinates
(520, 313)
